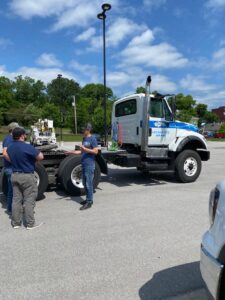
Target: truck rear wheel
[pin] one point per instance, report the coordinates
(70, 176)
(41, 179)
(188, 166)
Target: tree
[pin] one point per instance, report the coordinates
(185, 107)
(222, 128)
(51, 111)
(31, 114)
(96, 92)
(185, 102)
(201, 110)
(61, 90)
(140, 90)
(28, 90)
(98, 119)
(211, 117)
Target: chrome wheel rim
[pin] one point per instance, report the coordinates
(76, 177)
(190, 166)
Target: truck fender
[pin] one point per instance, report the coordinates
(102, 163)
(193, 142)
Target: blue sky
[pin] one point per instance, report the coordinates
(180, 43)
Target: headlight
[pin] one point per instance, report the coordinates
(213, 203)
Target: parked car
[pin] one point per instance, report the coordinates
(213, 244)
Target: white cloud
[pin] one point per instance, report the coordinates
(85, 35)
(68, 13)
(196, 84)
(122, 28)
(119, 30)
(134, 77)
(215, 4)
(90, 72)
(4, 43)
(213, 99)
(145, 38)
(218, 60)
(41, 8)
(44, 74)
(48, 60)
(162, 55)
(80, 16)
(154, 3)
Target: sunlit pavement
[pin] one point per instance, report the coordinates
(141, 240)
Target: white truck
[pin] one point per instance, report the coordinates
(153, 140)
(213, 244)
(150, 138)
(43, 133)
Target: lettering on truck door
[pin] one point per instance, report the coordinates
(160, 120)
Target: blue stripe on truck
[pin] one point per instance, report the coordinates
(173, 124)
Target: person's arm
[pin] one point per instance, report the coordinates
(91, 151)
(76, 152)
(5, 154)
(94, 146)
(40, 156)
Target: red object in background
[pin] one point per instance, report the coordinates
(120, 140)
(220, 135)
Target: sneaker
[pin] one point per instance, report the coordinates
(16, 226)
(86, 206)
(34, 226)
(83, 202)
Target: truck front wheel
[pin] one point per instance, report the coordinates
(188, 166)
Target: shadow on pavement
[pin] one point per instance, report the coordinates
(63, 195)
(173, 282)
(127, 177)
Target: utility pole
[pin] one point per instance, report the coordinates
(75, 114)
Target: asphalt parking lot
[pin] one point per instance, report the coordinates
(140, 240)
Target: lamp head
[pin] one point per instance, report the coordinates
(106, 6)
(101, 16)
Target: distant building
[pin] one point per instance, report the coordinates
(220, 112)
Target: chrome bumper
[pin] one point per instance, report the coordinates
(211, 271)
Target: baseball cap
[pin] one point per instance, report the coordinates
(12, 125)
(17, 132)
(88, 126)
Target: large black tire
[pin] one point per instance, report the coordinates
(67, 168)
(42, 180)
(188, 166)
(3, 182)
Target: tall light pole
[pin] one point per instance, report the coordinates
(61, 106)
(102, 16)
(75, 114)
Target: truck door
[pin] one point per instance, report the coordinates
(127, 114)
(160, 120)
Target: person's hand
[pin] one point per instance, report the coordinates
(83, 149)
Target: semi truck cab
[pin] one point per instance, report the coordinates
(153, 140)
(164, 129)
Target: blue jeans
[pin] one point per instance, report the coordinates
(88, 176)
(9, 189)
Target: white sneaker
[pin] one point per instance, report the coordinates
(16, 226)
(34, 226)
